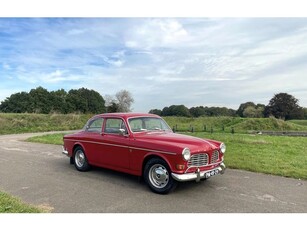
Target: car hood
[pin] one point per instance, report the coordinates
(195, 144)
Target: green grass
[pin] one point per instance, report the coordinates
(277, 155)
(10, 204)
(24, 123)
(299, 122)
(55, 139)
(240, 125)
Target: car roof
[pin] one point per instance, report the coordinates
(126, 115)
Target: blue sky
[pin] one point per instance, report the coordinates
(161, 61)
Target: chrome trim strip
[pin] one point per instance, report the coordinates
(123, 146)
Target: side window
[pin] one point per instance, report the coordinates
(95, 125)
(113, 126)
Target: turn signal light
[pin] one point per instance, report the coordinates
(180, 167)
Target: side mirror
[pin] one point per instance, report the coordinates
(122, 132)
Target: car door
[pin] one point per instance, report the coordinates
(92, 140)
(115, 144)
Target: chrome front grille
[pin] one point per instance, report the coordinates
(202, 159)
(215, 157)
(198, 160)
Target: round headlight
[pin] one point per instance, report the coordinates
(186, 154)
(223, 148)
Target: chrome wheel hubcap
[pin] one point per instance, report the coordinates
(79, 158)
(158, 176)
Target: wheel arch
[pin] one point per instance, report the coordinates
(76, 145)
(152, 155)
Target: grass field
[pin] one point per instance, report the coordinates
(25, 123)
(10, 204)
(238, 124)
(277, 155)
(299, 122)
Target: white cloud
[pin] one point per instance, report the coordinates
(155, 33)
(6, 66)
(56, 77)
(76, 32)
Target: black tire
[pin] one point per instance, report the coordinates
(80, 160)
(71, 160)
(157, 175)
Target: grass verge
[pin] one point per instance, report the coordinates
(277, 155)
(10, 204)
(55, 139)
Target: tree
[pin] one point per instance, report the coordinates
(197, 111)
(39, 100)
(305, 113)
(58, 101)
(219, 111)
(255, 112)
(243, 106)
(176, 110)
(179, 110)
(284, 106)
(124, 101)
(16, 103)
(85, 101)
(156, 111)
(111, 104)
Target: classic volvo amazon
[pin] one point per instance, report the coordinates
(144, 145)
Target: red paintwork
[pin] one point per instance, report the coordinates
(128, 153)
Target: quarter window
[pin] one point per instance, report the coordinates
(95, 125)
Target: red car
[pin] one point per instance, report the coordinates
(144, 145)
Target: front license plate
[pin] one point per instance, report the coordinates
(211, 173)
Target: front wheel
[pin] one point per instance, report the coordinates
(80, 160)
(158, 176)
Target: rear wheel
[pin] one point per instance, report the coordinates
(80, 160)
(158, 176)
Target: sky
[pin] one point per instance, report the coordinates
(161, 61)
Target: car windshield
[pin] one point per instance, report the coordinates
(142, 124)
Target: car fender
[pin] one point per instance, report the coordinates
(153, 154)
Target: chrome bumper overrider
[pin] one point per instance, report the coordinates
(200, 174)
(65, 152)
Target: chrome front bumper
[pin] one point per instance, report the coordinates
(199, 174)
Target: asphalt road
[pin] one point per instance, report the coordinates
(39, 174)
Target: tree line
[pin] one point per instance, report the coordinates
(282, 106)
(82, 100)
(40, 100)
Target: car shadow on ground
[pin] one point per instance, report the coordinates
(131, 181)
(110, 176)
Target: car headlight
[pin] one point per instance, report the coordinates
(186, 154)
(223, 148)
